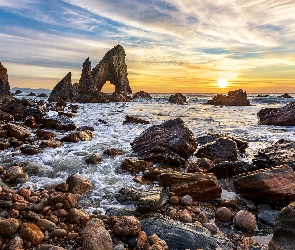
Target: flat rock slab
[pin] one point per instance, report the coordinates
(182, 236)
(152, 199)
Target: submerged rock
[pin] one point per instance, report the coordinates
(170, 142)
(177, 99)
(131, 119)
(233, 98)
(284, 116)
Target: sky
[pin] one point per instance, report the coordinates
(171, 45)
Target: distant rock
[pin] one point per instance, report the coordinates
(142, 94)
(284, 116)
(18, 92)
(31, 94)
(4, 84)
(233, 98)
(177, 99)
(262, 95)
(42, 95)
(131, 119)
(63, 91)
(286, 95)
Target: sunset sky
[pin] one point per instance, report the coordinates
(171, 45)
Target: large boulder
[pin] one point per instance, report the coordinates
(58, 123)
(177, 98)
(271, 184)
(284, 231)
(170, 142)
(16, 107)
(17, 131)
(199, 186)
(63, 91)
(233, 98)
(284, 116)
(277, 154)
(4, 84)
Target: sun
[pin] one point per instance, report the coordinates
(222, 83)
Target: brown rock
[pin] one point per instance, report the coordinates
(174, 200)
(199, 186)
(203, 218)
(233, 98)
(135, 166)
(78, 184)
(79, 217)
(68, 200)
(50, 144)
(268, 184)
(141, 239)
(79, 136)
(58, 233)
(32, 233)
(17, 131)
(201, 165)
(113, 152)
(93, 159)
(177, 99)
(185, 216)
(63, 91)
(49, 247)
(8, 227)
(46, 224)
(127, 226)
(4, 84)
(224, 214)
(135, 120)
(186, 200)
(141, 94)
(30, 150)
(16, 243)
(5, 116)
(15, 174)
(245, 221)
(45, 135)
(26, 193)
(95, 236)
(58, 123)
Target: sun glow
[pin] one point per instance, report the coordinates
(222, 83)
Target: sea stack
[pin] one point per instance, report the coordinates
(233, 98)
(63, 91)
(4, 84)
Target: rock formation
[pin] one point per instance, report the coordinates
(4, 84)
(233, 98)
(142, 94)
(178, 98)
(63, 91)
(284, 116)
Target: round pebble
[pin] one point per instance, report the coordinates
(224, 214)
(245, 221)
(185, 216)
(186, 200)
(174, 200)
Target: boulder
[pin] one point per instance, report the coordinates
(16, 107)
(78, 184)
(15, 174)
(284, 231)
(5, 116)
(170, 142)
(63, 91)
(224, 214)
(113, 152)
(141, 94)
(177, 99)
(31, 94)
(45, 135)
(268, 217)
(50, 143)
(284, 116)
(127, 226)
(58, 123)
(30, 150)
(37, 113)
(200, 186)
(4, 84)
(131, 119)
(16, 243)
(200, 165)
(17, 131)
(119, 97)
(78, 136)
(18, 92)
(68, 200)
(152, 199)
(271, 184)
(42, 95)
(32, 233)
(135, 166)
(233, 98)
(277, 154)
(79, 217)
(222, 149)
(93, 159)
(8, 227)
(245, 221)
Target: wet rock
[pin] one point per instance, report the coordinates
(46, 224)
(135, 166)
(50, 144)
(17, 131)
(95, 236)
(16, 243)
(58, 123)
(178, 235)
(220, 150)
(128, 195)
(156, 243)
(135, 120)
(268, 217)
(276, 155)
(38, 205)
(113, 152)
(233, 98)
(16, 107)
(186, 200)
(37, 113)
(77, 216)
(68, 200)
(43, 95)
(267, 184)
(15, 174)
(284, 231)
(127, 226)
(63, 91)
(58, 233)
(200, 186)
(286, 95)
(284, 116)
(78, 136)
(31, 94)
(170, 142)
(45, 135)
(4, 84)
(224, 214)
(201, 165)
(177, 99)
(93, 159)
(5, 116)
(32, 233)
(8, 227)
(30, 150)
(185, 216)
(31, 122)
(141, 94)
(152, 199)
(4, 144)
(78, 184)
(245, 221)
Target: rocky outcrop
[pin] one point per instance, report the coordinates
(135, 120)
(271, 184)
(286, 95)
(284, 116)
(276, 155)
(141, 94)
(170, 142)
(58, 123)
(152, 199)
(233, 98)
(284, 231)
(4, 84)
(63, 91)
(177, 99)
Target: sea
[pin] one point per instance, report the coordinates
(53, 166)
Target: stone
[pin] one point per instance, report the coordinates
(79, 217)
(156, 243)
(46, 224)
(174, 200)
(170, 142)
(152, 199)
(113, 152)
(78, 184)
(95, 236)
(135, 166)
(17, 131)
(5, 116)
(200, 186)
(284, 116)
(186, 200)
(276, 155)
(222, 149)
(16, 243)
(177, 99)
(135, 120)
(16, 107)
(32, 233)
(178, 235)
(119, 97)
(141, 239)
(31, 94)
(50, 144)
(224, 214)
(268, 217)
(245, 221)
(26, 193)
(49, 247)
(38, 205)
(233, 98)
(272, 184)
(58, 123)
(201, 165)
(4, 84)
(37, 113)
(43, 95)
(58, 233)
(141, 94)
(63, 91)
(30, 150)
(15, 174)
(185, 216)
(45, 135)
(93, 159)
(31, 122)
(127, 226)
(286, 95)
(128, 195)
(284, 231)
(78, 136)
(68, 200)
(8, 227)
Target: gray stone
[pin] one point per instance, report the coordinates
(152, 199)
(268, 217)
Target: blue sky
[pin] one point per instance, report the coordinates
(171, 46)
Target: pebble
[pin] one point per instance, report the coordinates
(8, 227)
(127, 226)
(245, 221)
(211, 227)
(224, 214)
(32, 233)
(174, 200)
(185, 216)
(58, 233)
(186, 200)
(203, 218)
(46, 224)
